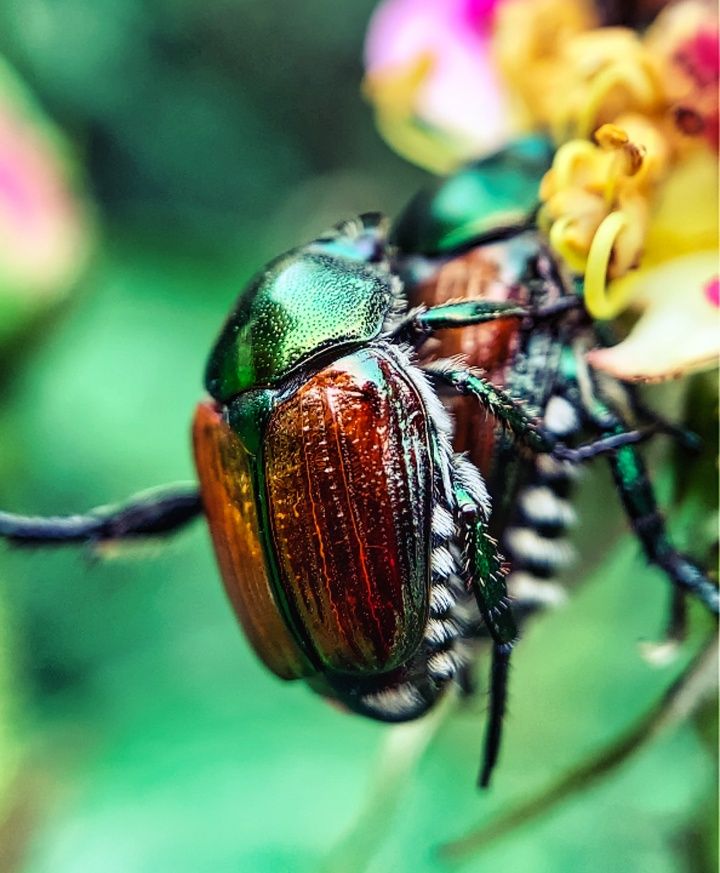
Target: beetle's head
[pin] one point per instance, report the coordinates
(499, 189)
(358, 239)
(322, 299)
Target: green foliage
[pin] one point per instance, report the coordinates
(201, 116)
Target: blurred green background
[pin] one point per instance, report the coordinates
(137, 732)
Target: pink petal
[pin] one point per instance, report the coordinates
(712, 292)
(462, 95)
(479, 13)
(46, 235)
(400, 30)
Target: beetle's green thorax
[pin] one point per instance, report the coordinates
(498, 190)
(248, 416)
(332, 294)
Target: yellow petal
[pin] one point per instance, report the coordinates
(395, 90)
(427, 147)
(679, 330)
(685, 219)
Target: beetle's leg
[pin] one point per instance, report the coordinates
(510, 414)
(638, 496)
(688, 439)
(464, 313)
(508, 411)
(154, 513)
(487, 577)
(459, 313)
(606, 445)
(420, 322)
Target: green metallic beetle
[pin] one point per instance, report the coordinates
(543, 364)
(351, 534)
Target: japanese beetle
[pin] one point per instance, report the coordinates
(350, 533)
(477, 220)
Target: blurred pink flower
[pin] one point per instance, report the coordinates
(45, 226)
(430, 75)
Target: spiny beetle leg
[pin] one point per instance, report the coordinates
(487, 577)
(499, 671)
(511, 414)
(638, 497)
(465, 313)
(605, 445)
(496, 401)
(154, 513)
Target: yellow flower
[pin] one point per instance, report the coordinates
(629, 203)
(635, 212)
(565, 73)
(676, 287)
(596, 203)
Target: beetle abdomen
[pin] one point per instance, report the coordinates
(349, 475)
(231, 509)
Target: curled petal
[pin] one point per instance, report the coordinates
(595, 206)
(679, 330)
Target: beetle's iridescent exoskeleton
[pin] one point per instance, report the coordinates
(350, 532)
(475, 218)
